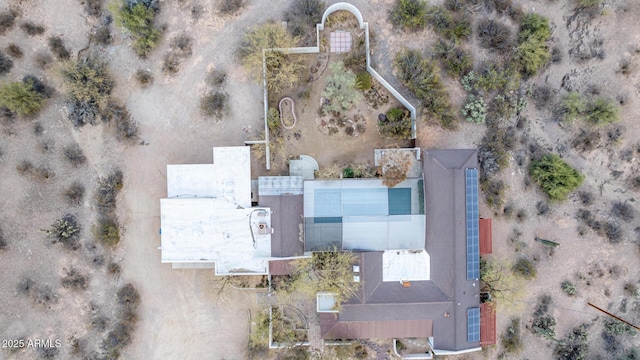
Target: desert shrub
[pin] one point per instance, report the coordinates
(534, 26)
(475, 110)
(25, 286)
(521, 215)
(56, 45)
(230, 6)
(108, 189)
(114, 268)
(116, 114)
(574, 346)
(447, 25)
(308, 10)
(363, 81)
(623, 210)
(421, 77)
(542, 208)
(282, 70)
(182, 45)
(3, 241)
(93, 7)
(74, 193)
(214, 104)
(5, 63)
(586, 198)
(556, 178)
(525, 268)
(494, 192)
(137, 17)
(14, 51)
(543, 324)
(616, 327)
(455, 5)
(613, 232)
(7, 20)
(216, 77)
(74, 155)
(87, 81)
(75, 280)
(568, 288)
(601, 111)
(170, 63)
(542, 96)
(25, 168)
(511, 338)
(348, 172)
(100, 323)
(408, 14)
(66, 231)
(144, 77)
(32, 29)
(21, 98)
(340, 90)
(273, 119)
(495, 36)
(47, 352)
(504, 106)
(107, 232)
(42, 59)
(396, 124)
(128, 296)
(102, 35)
(454, 60)
(586, 140)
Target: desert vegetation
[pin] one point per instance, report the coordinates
(138, 18)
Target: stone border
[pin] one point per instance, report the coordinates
(293, 112)
(316, 49)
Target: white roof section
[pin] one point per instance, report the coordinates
(280, 185)
(228, 178)
(405, 265)
(376, 233)
(208, 230)
(326, 302)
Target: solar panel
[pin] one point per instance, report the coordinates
(473, 325)
(473, 218)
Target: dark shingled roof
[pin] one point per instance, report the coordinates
(437, 307)
(286, 217)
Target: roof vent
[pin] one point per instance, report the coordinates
(356, 268)
(356, 278)
(406, 283)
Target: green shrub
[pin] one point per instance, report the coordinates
(601, 111)
(572, 106)
(108, 232)
(273, 119)
(525, 268)
(616, 327)
(395, 114)
(66, 231)
(348, 172)
(340, 90)
(569, 288)
(87, 81)
(138, 19)
(534, 26)
(575, 345)
(421, 77)
(397, 124)
(556, 178)
(21, 98)
(408, 14)
(475, 110)
(363, 81)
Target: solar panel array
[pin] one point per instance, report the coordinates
(473, 325)
(473, 218)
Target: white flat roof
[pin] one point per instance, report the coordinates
(228, 178)
(408, 265)
(209, 230)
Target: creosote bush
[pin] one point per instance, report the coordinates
(511, 338)
(7, 20)
(409, 14)
(454, 60)
(230, 6)
(117, 115)
(43, 60)
(144, 77)
(525, 268)
(75, 280)
(74, 154)
(108, 189)
(56, 45)
(532, 52)
(420, 75)
(89, 84)
(32, 29)
(74, 193)
(107, 232)
(214, 104)
(14, 51)
(495, 36)
(556, 178)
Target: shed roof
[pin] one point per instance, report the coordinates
(486, 237)
(286, 221)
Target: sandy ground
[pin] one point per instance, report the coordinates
(180, 315)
